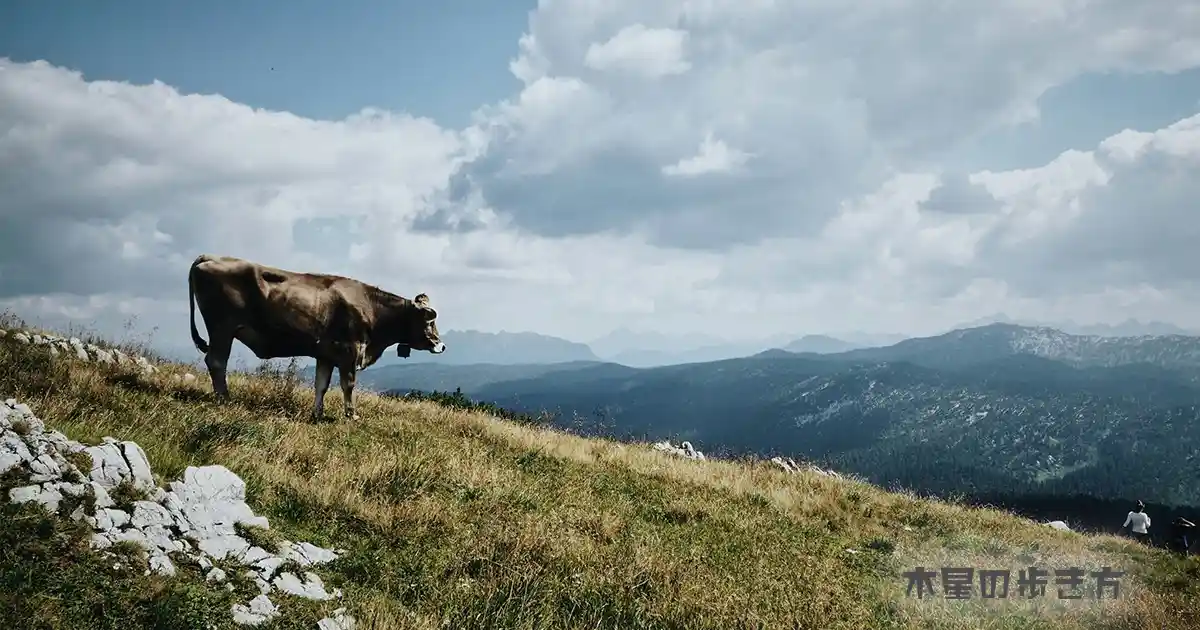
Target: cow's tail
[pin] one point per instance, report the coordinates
(201, 344)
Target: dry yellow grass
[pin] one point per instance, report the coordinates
(458, 519)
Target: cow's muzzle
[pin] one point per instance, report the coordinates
(438, 348)
(403, 351)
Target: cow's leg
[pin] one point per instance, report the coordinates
(217, 361)
(321, 385)
(347, 374)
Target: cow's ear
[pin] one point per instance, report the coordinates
(421, 300)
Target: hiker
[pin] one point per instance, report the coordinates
(1184, 533)
(1138, 522)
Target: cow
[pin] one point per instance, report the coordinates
(339, 321)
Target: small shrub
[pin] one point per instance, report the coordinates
(268, 539)
(81, 460)
(21, 427)
(125, 494)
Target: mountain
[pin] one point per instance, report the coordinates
(993, 341)
(466, 347)
(819, 344)
(1128, 328)
(995, 409)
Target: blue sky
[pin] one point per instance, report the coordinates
(439, 59)
(736, 170)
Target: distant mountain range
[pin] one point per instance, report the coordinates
(1128, 328)
(994, 409)
(504, 348)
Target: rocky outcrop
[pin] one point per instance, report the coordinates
(75, 348)
(683, 450)
(202, 518)
(789, 465)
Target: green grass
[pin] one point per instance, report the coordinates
(454, 518)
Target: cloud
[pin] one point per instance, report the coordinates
(646, 52)
(958, 194)
(714, 157)
(832, 99)
(738, 169)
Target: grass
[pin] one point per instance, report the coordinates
(453, 518)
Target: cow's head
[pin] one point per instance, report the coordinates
(421, 332)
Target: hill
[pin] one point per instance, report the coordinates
(995, 409)
(819, 344)
(454, 519)
(994, 341)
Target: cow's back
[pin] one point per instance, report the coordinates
(286, 311)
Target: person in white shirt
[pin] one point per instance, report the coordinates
(1138, 523)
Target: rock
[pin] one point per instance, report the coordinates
(254, 555)
(268, 566)
(339, 620)
(47, 496)
(222, 546)
(109, 467)
(13, 452)
(306, 554)
(162, 565)
(683, 450)
(44, 469)
(21, 337)
(260, 609)
(103, 356)
(135, 536)
(1059, 525)
(102, 500)
(139, 466)
(205, 505)
(160, 537)
(311, 587)
(147, 513)
(119, 518)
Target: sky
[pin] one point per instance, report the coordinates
(737, 170)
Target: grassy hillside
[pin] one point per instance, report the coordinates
(453, 519)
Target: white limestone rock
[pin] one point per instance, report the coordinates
(683, 450)
(13, 452)
(48, 496)
(215, 575)
(139, 466)
(162, 565)
(44, 469)
(119, 518)
(311, 587)
(102, 500)
(1059, 525)
(261, 609)
(306, 554)
(109, 467)
(268, 566)
(148, 514)
(223, 546)
(135, 536)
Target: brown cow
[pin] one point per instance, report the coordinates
(338, 321)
